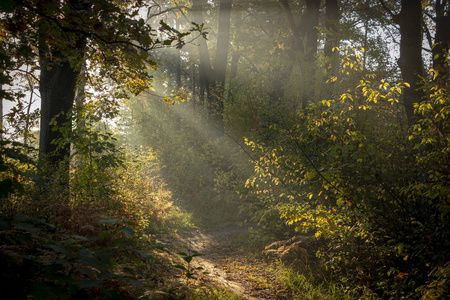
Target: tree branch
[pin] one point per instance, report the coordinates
(87, 34)
(387, 9)
(149, 16)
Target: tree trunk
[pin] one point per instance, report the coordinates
(57, 88)
(310, 22)
(442, 36)
(58, 79)
(298, 42)
(221, 59)
(178, 60)
(331, 27)
(206, 73)
(410, 61)
(214, 78)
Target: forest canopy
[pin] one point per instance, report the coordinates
(325, 123)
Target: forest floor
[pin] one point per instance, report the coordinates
(229, 263)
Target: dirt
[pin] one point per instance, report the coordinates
(230, 266)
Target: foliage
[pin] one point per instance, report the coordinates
(42, 261)
(144, 196)
(189, 271)
(346, 172)
(14, 161)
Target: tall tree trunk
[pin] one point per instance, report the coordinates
(310, 22)
(201, 85)
(331, 40)
(221, 59)
(442, 35)
(331, 27)
(58, 79)
(235, 56)
(410, 61)
(214, 78)
(298, 41)
(178, 60)
(206, 73)
(57, 88)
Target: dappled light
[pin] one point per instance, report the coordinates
(224, 149)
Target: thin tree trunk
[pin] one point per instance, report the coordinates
(27, 120)
(178, 61)
(1, 114)
(194, 88)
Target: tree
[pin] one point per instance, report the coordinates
(331, 26)
(410, 62)
(221, 59)
(442, 34)
(213, 75)
(60, 65)
(110, 36)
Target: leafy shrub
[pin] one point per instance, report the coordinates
(345, 171)
(144, 196)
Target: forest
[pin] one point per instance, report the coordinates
(224, 149)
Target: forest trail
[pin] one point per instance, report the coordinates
(230, 266)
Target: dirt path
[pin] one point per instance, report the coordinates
(228, 265)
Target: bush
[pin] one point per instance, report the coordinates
(375, 196)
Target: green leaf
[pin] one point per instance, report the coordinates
(59, 248)
(80, 238)
(108, 221)
(179, 267)
(128, 231)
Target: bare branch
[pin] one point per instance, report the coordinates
(387, 9)
(166, 11)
